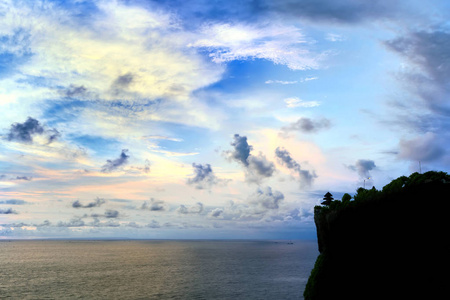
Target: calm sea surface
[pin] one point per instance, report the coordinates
(155, 269)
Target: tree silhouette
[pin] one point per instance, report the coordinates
(346, 197)
(328, 197)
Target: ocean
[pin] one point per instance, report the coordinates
(150, 269)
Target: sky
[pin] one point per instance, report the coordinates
(212, 119)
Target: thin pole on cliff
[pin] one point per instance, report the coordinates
(365, 182)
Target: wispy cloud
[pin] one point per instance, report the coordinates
(116, 65)
(283, 82)
(363, 167)
(97, 203)
(281, 44)
(297, 102)
(305, 125)
(305, 177)
(112, 165)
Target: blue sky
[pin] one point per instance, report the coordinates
(212, 119)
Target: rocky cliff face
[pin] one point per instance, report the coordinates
(389, 244)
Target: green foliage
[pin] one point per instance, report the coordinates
(346, 198)
(312, 290)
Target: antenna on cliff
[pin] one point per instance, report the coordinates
(365, 182)
(420, 167)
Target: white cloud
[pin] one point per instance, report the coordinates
(280, 44)
(296, 102)
(333, 37)
(146, 47)
(306, 79)
(283, 82)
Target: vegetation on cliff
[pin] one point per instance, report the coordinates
(385, 244)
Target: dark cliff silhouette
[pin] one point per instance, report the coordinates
(388, 244)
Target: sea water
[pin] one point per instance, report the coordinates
(141, 269)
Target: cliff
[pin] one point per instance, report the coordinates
(388, 244)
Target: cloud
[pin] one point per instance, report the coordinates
(429, 67)
(241, 150)
(422, 148)
(53, 135)
(330, 11)
(204, 176)
(75, 222)
(256, 167)
(280, 44)
(363, 167)
(305, 177)
(112, 165)
(123, 81)
(155, 205)
(305, 125)
(120, 49)
(283, 82)
(193, 209)
(97, 203)
(145, 169)
(7, 211)
(153, 224)
(26, 178)
(110, 213)
(266, 198)
(259, 168)
(13, 202)
(24, 132)
(217, 213)
(333, 37)
(296, 102)
(75, 91)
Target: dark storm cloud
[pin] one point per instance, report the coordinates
(7, 211)
(256, 167)
(154, 205)
(24, 132)
(306, 125)
(284, 158)
(363, 167)
(97, 203)
(423, 148)
(13, 202)
(429, 54)
(112, 165)
(266, 198)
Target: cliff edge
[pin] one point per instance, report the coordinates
(388, 244)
